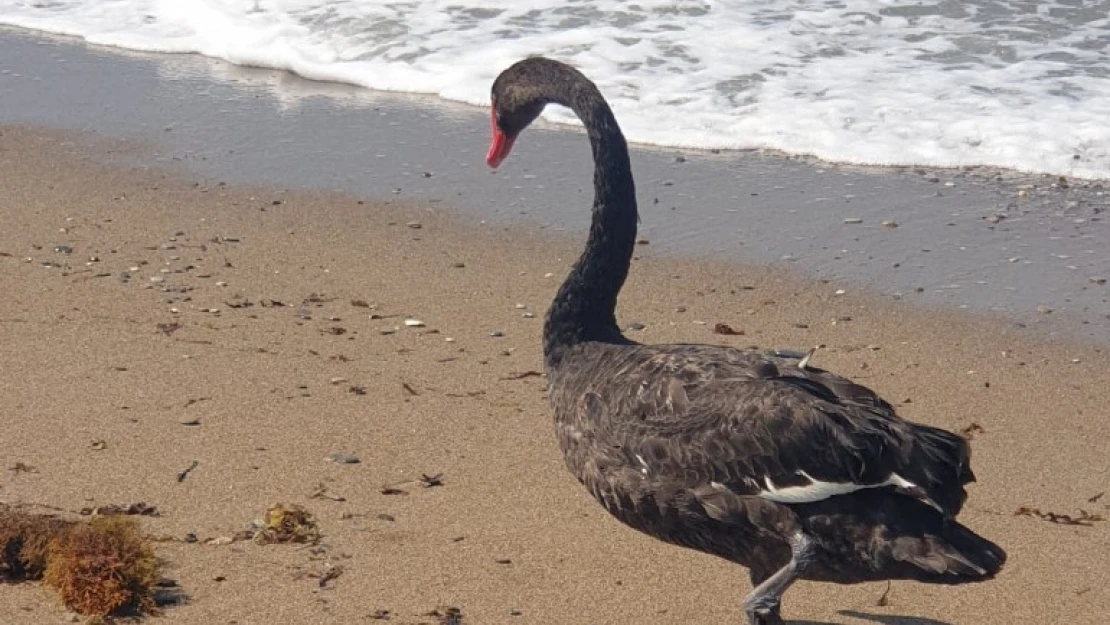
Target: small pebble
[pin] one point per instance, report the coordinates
(839, 292)
(343, 459)
(528, 315)
(192, 421)
(414, 323)
(496, 333)
(415, 225)
(1097, 280)
(157, 279)
(890, 223)
(63, 249)
(387, 330)
(853, 220)
(636, 325)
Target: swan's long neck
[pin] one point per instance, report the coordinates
(584, 309)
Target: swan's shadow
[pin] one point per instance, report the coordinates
(882, 619)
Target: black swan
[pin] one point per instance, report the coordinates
(789, 470)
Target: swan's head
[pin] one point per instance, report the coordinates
(517, 99)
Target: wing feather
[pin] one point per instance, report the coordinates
(758, 425)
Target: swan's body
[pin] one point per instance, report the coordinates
(791, 471)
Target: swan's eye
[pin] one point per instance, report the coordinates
(498, 113)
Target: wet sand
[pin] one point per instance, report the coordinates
(257, 331)
(996, 242)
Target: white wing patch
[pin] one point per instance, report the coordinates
(817, 490)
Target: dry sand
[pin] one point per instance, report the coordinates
(272, 337)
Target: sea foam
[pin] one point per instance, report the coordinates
(1003, 83)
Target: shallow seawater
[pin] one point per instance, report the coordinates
(1005, 83)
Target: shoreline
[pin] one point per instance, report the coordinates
(116, 155)
(1005, 244)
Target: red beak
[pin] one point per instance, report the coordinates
(501, 144)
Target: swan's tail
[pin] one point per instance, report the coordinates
(878, 536)
(953, 555)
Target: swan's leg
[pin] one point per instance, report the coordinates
(773, 617)
(762, 605)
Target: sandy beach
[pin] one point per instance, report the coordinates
(258, 331)
(165, 315)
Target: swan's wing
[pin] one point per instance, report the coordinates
(750, 425)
